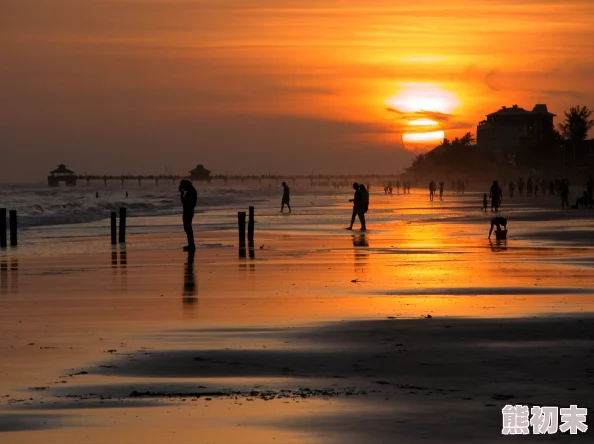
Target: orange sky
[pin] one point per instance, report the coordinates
(287, 86)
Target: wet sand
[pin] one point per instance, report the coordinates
(321, 338)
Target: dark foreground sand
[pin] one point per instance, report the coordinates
(437, 380)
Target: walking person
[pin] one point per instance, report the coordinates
(358, 207)
(286, 197)
(564, 193)
(189, 198)
(441, 185)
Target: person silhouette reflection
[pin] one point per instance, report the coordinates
(360, 240)
(499, 245)
(190, 291)
(360, 255)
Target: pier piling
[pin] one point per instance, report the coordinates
(2, 227)
(241, 229)
(113, 227)
(12, 216)
(251, 232)
(122, 225)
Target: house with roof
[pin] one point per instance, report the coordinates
(510, 128)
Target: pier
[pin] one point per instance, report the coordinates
(201, 175)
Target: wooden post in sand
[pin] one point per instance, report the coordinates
(113, 227)
(2, 227)
(122, 225)
(241, 227)
(13, 227)
(251, 232)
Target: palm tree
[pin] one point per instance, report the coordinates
(576, 126)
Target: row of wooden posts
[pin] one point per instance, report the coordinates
(241, 217)
(13, 228)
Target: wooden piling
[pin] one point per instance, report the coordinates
(113, 227)
(241, 229)
(2, 227)
(251, 225)
(12, 216)
(122, 238)
(251, 232)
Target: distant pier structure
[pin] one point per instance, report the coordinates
(61, 174)
(200, 174)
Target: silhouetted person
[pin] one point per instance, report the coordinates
(126, 195)
(496, 196)
(189, 198)
(358, 208)
(485, 203)
(499, 222)
(529, 187)
(97, 195)
(408, 185)
(286, 197)
(431, 190)
(564, 193)
(536, 189)
(397, 187)
(512, 187)
(364, 198)
(441, 185)
(521, 186)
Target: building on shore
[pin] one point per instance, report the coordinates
(61, 174)
(507, 130)
(200, 174)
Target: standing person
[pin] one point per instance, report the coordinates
(564, 193)
(512, 187)
(536, 189)
(431, 190)
(441, 185)
(358, 206)
(189, 198)
(495, 194)
(286, 197)
(521, 186)
(485, 203)
(126, 195)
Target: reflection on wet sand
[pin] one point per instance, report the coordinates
(498, 245)
(190, 291)
(361, 255)
(9, 280)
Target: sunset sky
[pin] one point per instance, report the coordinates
(281, 86)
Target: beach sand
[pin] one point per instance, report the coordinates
(411, 332)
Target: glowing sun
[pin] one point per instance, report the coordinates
(424, 108)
